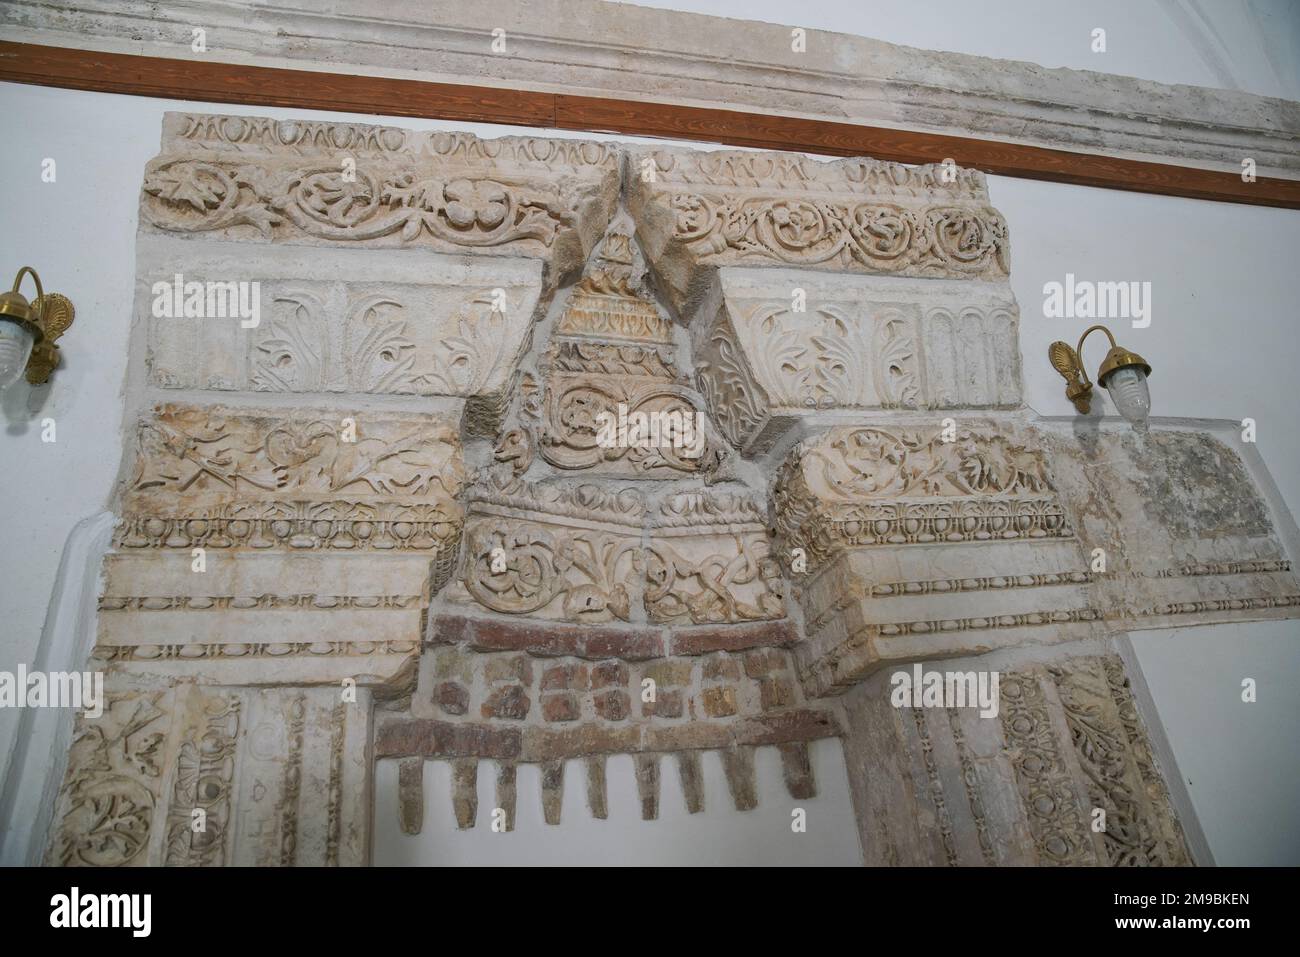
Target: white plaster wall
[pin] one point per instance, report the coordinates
(1222, 340)
(1237, 759)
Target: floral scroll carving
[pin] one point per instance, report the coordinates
(111, 789)
(324, 202)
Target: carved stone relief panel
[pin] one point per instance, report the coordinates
(568, 552)
(787, 346)
(709, 561)
(302, 478)
(884, 520)
(321, 537)
(614, 391)
(293, 554)
(254, 179)
(696, 211)
(1182, 528)
(211, 776)
(856, 501)
(338, 321)
(949, 786)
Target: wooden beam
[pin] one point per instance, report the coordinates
(214, 82)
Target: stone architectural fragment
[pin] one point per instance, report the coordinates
(1019, 788)
(580, 46)
(788, 346)
(308, 577)
(363, 322)
(702, 210)
(611, 379)
(190, 776)
(253, 179)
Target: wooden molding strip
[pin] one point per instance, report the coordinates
(215, 82)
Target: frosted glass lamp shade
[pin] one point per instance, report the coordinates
(16, 342)
(1128, 390)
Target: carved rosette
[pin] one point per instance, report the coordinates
(697, 211)
(251, 178)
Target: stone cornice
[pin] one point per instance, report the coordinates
(703, 61)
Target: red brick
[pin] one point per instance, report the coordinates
(669, 674)
(504, 668)
(667, 704)
(508, 701)
(721, 668)
(450, 629)
(541, 638)
(612, 705)
(430, 738)
(535, 637)
(764, 662)
(710, 638)
(775, 693)
(609, 674)
(564, 678)
(786, 726)
(560, 707)
(630, 644)
(452, 697)
(719, 702)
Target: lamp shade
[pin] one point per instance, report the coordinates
(16, 341)
(1129, 391)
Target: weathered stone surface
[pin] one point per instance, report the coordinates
(797, 771)
(410, 794)
(612, 354)
(510, 701)
(739, 766)
(452, 697)
(691, 775)
(647, 785)
(1162, 540)
(281, 565)
(597, 798)
(1186, 536)
(552, 791)
(787, 346)
(464, 791)
(945, 786)
(507, 793)
(362, 322)
(581, 45)
(267, 790)
(708, 562)
(702, 210)
(252, 179)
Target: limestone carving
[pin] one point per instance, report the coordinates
(284, 181)
(611, 362)
(699, 211)
(308, 577)
(868, 486)
(113, 783)
(709, 561)
(787, 347)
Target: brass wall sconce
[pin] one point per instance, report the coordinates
(28, 331)
(1122, 373)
